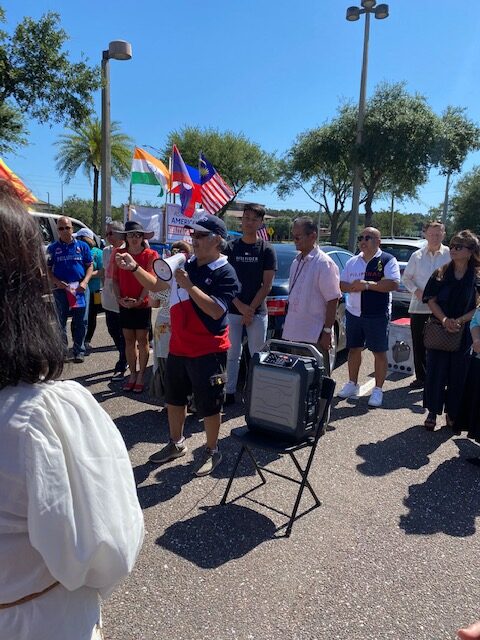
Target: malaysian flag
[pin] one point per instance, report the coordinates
(262, 233)
(215, 191)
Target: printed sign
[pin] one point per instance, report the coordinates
(176, 223)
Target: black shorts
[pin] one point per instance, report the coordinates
(186, 375)
(140, 318)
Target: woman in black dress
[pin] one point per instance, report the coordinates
(451, 295)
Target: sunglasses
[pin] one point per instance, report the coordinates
(366, 237)
(134, 234)
(63, 228)
(458, 247)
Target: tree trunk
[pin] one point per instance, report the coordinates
(96, 174)
(334, 227)
(368, 211)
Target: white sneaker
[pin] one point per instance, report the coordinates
(349, 390)
(376, 398)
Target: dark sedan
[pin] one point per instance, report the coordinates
(277, 300)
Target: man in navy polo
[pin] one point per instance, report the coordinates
(70, 268)
(368, 278)
(200, 295)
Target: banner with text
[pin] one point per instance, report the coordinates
(176, 223)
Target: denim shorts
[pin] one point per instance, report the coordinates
(371, 331)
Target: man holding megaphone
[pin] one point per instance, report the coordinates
(205, 286)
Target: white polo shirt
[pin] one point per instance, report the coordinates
(355, 270)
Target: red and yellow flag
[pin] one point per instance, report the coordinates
(20, 189)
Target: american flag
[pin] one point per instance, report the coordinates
(215, 191)
(262, 233)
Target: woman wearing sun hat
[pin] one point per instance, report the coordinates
(135, 312)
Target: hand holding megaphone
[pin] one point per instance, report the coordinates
(165, 267)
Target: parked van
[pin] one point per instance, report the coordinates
(48, 226)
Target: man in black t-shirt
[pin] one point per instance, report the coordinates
(255, 264)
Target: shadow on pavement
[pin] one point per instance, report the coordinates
(169, 483)
(221, 534)
(448, 501)
(409, 449)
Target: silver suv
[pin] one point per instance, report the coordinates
(402, 249)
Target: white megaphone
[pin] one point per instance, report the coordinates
(166, 267)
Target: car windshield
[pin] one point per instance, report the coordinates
(401, 252)
(285, 255)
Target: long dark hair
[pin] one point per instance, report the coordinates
(471, 241)
(31, 346)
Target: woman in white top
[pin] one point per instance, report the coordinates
(70, 523)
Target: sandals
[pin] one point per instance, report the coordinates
(430, 422)
(138, 388)
(129, 386)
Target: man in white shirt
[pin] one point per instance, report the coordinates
(314, 292)
(420, 267)
(368, 278)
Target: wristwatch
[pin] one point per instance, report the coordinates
(327, 329)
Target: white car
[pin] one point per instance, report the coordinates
(402, 249)
(48, 226)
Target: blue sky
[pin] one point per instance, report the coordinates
(269, 69)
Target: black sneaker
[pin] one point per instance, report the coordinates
(417, 384)
(229, 399)
(118, 374)
(169, 452)
(78, 358)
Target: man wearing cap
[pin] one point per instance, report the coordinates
(70, 269)
(199, 340)
(94, 284)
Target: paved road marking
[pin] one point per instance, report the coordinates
(366, 387)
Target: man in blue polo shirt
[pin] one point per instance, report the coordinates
(70, 268)
(368, 278)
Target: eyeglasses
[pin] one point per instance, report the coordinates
(366, 237)
(63, 228)
(459, 247)
(198, 235)
(134, 234)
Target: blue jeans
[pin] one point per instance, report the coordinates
(79, 320)
(256, 334)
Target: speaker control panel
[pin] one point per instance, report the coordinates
(279, 359)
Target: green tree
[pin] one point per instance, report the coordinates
(240, 162)
(458, 136)
(466, 202)
(82, 209)
(81, 149)
(319, 163)
(399, 135)
(38, 80)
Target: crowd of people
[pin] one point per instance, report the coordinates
(70, 538)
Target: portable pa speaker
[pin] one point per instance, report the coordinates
(283, 390)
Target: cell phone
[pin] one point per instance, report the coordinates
(130, 299)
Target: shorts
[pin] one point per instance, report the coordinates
(371, 332)
(186, 375)
(136, 319)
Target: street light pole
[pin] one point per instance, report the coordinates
(118, 50)
(353, 14)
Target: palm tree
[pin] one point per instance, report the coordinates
(82, 149)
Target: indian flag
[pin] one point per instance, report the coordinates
(149, 170)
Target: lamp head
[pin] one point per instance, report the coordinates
(381, 11)
(353, 14)
(368, 4)
(120, 50)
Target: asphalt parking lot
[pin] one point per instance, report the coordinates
(391, 553)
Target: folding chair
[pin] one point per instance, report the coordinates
(250, 440)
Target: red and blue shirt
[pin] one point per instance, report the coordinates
(195, 333)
